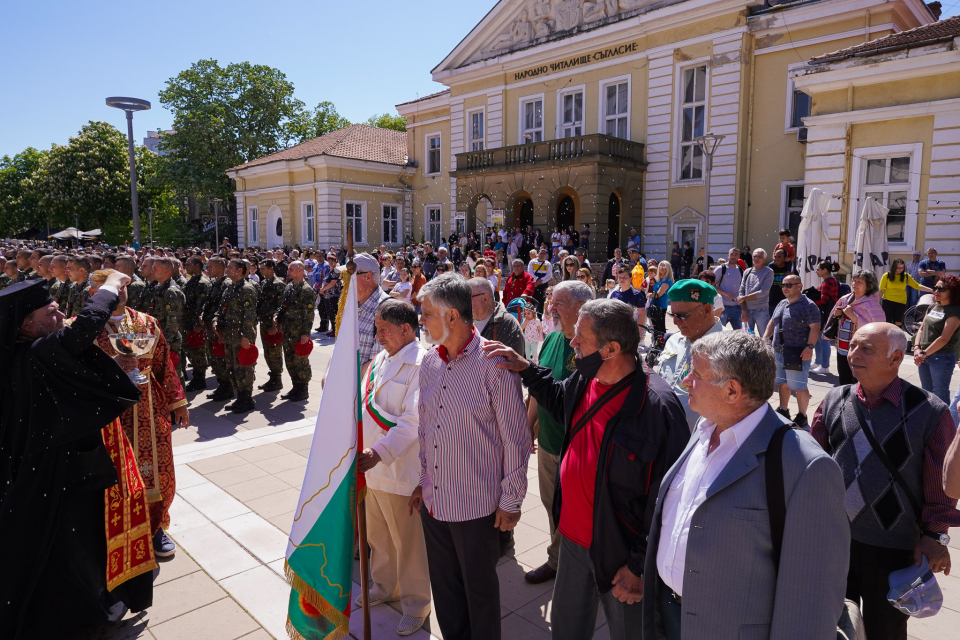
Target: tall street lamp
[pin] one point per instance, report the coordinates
(150, 212)
(216, 222)
(708, 145)
(129, 105)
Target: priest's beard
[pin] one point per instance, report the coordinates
(432, 339)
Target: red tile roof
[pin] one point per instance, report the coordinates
(359, 142)
(429, 97)
(948, 28)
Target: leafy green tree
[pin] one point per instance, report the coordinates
(223, 117)
(387, 121)
(20, 207)
(323, 120)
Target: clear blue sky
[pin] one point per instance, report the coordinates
(64, 57)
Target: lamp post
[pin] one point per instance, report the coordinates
(708, 144)
(150, 212)
(216, 222)
(129, 105)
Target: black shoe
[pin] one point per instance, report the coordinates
(541, 574)
(298, 393)
(275, 383)
(163, 546)
(243, 404)
(223, 392)
(801, 420)
(784, 412)
(198, 382)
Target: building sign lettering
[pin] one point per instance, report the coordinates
(569, 63)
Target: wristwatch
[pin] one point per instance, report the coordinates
(811, 346)
(941, 538)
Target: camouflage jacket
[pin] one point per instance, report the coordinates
(79, 293)
(295, 316)
(30, 274)
(196, 292)
(135, 291)
(149, 290)
(271, 295)
(167, 307)
(212, 304)
(237, 316)
(59, 291)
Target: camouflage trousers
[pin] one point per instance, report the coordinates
(273, 355)
(241, 378)
(217, 364)
(176, 346)
(298, 366)
(198, 357)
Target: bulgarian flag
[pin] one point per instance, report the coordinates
(319, 564)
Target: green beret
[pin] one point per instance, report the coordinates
(692, 291)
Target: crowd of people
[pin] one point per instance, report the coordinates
(478, 353)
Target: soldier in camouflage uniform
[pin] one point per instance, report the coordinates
(127, 266)
(43, 268)
(23, 263)
(178, 273)
(271, 295)
(78, 270)
(6, 279)
(236, 324)
(196, 290)
(150, 285)
(167, 307)
(295, 320)
(215, 268)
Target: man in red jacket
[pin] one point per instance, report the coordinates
(520, 283)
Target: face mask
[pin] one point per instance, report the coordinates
(588, 366)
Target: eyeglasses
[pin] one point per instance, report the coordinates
(940, 289)
(787, 285)
(582, 277)
(681, 316)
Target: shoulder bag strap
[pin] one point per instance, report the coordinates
(609, 395)
(776, 499)
(867, 429)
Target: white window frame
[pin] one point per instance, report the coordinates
(858, 188)
(561, 94)
(784, 203)
(427, 223)
(788, 112)
(468, 127)
(308, 224)
(520, 118)
(253, 217)
(365, 228)
(399, 223)
(602, 101)
(426, 146)
(678, 118)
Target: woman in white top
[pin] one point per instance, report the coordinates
(404, 288)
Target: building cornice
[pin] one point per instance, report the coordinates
(356, 186)
(320, 161)
(897, 112)
(897, 65)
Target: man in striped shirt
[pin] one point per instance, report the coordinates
(474, 448)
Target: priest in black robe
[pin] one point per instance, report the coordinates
(58, 389)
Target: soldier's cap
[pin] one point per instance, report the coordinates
(366, 262)
(692, 291)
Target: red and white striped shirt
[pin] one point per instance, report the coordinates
(474, 438)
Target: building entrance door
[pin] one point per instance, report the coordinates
(526, 214)
(613, 225)
(566, 213)
(274, 227)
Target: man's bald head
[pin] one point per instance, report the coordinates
(876, 351)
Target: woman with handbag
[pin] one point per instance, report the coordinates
(829, 294)
(893, 291)
(852, 311)
(933, 346)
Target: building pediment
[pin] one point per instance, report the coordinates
(514, 25)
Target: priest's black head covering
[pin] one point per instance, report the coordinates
(16, 303)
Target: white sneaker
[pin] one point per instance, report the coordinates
(374, 600)
(820, 369)
(409, 625)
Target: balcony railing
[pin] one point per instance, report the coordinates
(591, 148)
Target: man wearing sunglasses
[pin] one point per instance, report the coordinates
(691, 307)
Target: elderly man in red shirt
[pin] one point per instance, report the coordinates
(520, 283)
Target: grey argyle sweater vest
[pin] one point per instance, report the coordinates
(879, 511)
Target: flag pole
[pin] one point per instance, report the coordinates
(364, 567)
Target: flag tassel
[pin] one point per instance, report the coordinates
(328, 611)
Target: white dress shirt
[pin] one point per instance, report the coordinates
(689, 488)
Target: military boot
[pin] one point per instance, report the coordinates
(223, 392)
(243, 404)
(198, 382)
(275, 383)
(298, 393)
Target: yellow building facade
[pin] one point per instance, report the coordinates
(573, 112)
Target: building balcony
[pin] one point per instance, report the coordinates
(595, 148)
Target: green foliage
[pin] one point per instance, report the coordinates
(223, 117)
(387, 121)
(322, 121)
(20, 207)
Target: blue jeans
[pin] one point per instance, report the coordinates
(935, 374)
(758, 320)
(953, 407)
(732, 315)
(912, 296)
(821, 353)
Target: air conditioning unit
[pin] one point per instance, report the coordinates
(802, 135)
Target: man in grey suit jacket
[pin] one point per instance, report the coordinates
(713, 573)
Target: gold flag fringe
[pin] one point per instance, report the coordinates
(345, 277)
(328, 611)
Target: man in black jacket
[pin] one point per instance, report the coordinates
(624, 428)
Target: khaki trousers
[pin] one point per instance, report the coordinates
(548, 466)
(398, 559)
